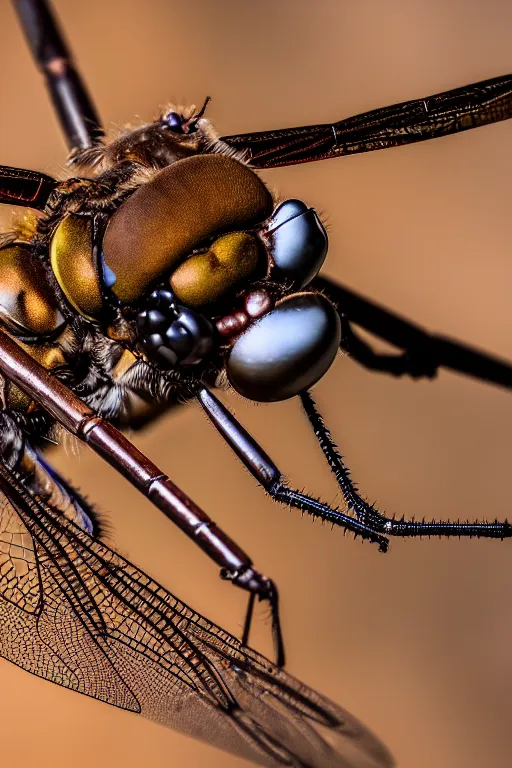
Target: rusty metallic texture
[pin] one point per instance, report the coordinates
(20, 368)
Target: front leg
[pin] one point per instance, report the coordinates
(105, 440)
(366, 520)
(261, 466)
(416, 362)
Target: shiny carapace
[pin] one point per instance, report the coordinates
(165, 268)
(176, 258)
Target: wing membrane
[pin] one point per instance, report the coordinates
(19, 576)
(26, 188)
(461, 109)
(96, 624)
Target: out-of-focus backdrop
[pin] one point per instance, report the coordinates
(416, 643)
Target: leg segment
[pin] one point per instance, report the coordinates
(424, 353)
(75, 416)
(269, 476)
(367, 521)
(74, 108)
(368, 514)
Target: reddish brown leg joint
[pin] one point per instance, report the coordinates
(52, 395)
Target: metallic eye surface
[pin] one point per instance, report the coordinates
(287, 350)
(192, 200)
(299, 242)
(27, 302)
(174, 122)
(73, 264)
(206, 277)
(172, 335)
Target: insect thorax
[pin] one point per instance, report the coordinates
(33, 306)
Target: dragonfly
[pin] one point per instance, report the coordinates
(76, 612)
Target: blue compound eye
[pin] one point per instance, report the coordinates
(174, 122)
(298, 242)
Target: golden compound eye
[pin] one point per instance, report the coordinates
(27, 301)
(206, 277)
(164, 220)
(72, 261)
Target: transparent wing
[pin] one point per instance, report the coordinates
(76, 613)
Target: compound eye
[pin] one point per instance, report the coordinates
(190, 201)
(27, 301)
(287, 350)
(73, 262)
(298, 241)
(174, 122)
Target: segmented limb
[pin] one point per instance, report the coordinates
(370, 515)
(363, 519)
(73, 105)
(105, 440)
(424, 352)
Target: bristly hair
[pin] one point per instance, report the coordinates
(154, 145)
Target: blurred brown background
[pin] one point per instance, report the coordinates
(416, 643)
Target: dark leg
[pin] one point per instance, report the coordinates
(368, 522)
(269, 476)
(424, 353)
(74, 108)
(75, 416)
(405, 364)
(368, 513)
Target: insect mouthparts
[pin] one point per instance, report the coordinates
(171, 334)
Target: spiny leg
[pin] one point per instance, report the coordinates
(368, 514)
(270, 477)
(366, 521)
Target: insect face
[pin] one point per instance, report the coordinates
(199, 265)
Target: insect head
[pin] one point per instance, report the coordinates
(198, 261)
